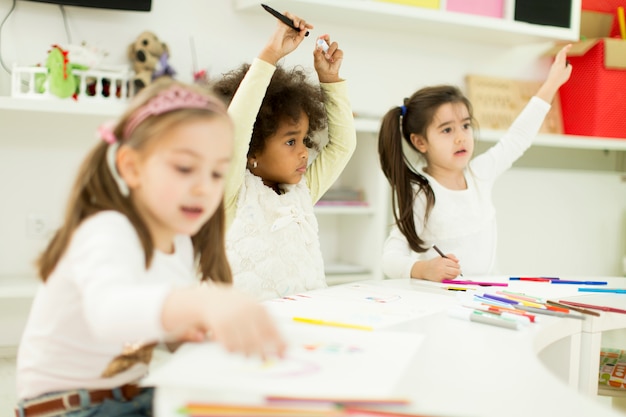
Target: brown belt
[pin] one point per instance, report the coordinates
(70, 401)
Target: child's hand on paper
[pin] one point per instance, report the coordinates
(284, 40)
(560, 72)
(437, 269)
(327, 63)
(241, 324)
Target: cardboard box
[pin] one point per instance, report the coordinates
(429, 4)
(593, 101)
(498, 101)
(492, 8)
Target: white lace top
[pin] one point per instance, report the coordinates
(273, 245)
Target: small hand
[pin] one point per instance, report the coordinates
(327, 63)
(241, 324)
(559, 73)
(439, 268)
(284, 40)
(561, 69)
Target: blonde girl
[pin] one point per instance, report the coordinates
(145, 218)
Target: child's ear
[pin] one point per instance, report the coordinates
(128, 165)
(419, 142)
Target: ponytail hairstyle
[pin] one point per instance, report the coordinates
(163, 105)
(414, 116)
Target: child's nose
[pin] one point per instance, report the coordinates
(204, 186)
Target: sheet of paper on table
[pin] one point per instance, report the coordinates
(321, 362)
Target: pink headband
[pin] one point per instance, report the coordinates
(173, 98)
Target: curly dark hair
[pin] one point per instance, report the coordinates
(287, 96)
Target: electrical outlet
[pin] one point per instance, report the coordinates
(36, 226)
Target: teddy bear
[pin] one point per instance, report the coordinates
(150, 59)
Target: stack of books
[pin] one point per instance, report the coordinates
(342, 196)
(612, 375)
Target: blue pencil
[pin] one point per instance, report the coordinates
(562, 281)
(609, 290)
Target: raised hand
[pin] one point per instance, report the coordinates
(327, 63)
(559, 73)
(284, 40)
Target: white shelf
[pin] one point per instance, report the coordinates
(12, 287)
(564, 141)
(363, 125)
(371, 125)
(376, 15)
(64, 106)
(338, 279)
(359, 210)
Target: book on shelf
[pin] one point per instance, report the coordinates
(342, 196)
(612, 372)
(339, 203)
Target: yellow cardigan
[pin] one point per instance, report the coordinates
(332, 158)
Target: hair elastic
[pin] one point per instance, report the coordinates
(403, 110)
(105, 132)
(111, 154)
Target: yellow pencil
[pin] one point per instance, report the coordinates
(332, 323)
(530, 304)
(622, 23)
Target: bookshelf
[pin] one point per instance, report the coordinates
(352, 237)
(384, 15)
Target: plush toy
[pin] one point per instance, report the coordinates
(61, 82)
(150, 59)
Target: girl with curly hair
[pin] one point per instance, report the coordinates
(272, 240)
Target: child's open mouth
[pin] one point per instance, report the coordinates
(192, 211)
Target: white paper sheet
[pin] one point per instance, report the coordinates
(359, 304)
(321, 362)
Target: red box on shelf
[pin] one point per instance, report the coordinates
(605, 6)
(593, 101)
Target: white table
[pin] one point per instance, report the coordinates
(470, 369)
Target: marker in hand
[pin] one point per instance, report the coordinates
(283, 18)
(322, 44)
(443, 255)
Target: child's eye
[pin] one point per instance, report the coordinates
(467, 126)
(447, 130)
(183, 169)
(217, 175)
(291, 142)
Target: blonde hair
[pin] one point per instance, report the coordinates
(96, 190)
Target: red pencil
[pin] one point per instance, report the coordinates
(593, 307)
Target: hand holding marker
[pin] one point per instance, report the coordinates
(443, 255)
(283, 19)
(322, 44)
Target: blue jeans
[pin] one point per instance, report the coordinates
(140, 406)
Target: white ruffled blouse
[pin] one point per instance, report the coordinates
(273, 245)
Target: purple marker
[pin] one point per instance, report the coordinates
(502, 299)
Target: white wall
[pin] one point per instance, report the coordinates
(561, 221)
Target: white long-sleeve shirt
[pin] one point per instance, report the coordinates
(463, 222)
(99, 299)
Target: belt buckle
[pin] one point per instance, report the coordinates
(65, 400)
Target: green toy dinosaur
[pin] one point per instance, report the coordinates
(61, 81)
